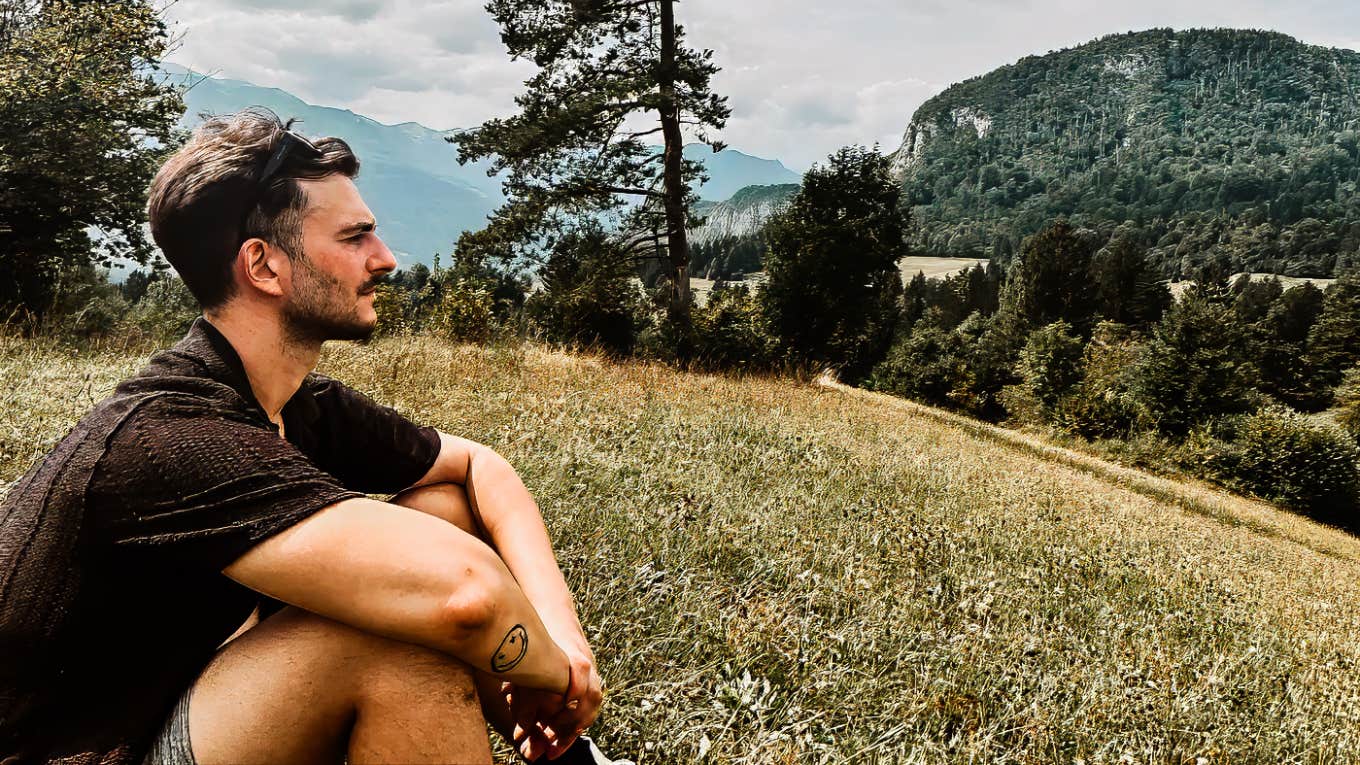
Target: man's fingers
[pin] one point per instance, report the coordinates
(557, 748)
(534, 746)
(531, 742)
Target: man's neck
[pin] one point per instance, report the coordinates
(275, 362)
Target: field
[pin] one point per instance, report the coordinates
(935, 268)
(782, 571)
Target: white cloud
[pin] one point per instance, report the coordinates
(803, 77)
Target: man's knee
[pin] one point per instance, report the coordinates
(298, 681)
(442, 500)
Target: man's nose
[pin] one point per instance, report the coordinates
(382, 261)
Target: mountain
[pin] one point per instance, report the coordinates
(744, 214)
(410, 174)
(1211, 144)
(731, 171)
(729, 245)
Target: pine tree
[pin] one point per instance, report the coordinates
(568, 154)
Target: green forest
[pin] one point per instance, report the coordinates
(1232, 142)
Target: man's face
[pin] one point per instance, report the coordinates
(333, 279)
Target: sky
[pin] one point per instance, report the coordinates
(803, 77)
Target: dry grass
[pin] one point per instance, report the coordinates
(775, 572)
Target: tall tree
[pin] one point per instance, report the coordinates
(1193, 368)
(1051, 281)
(1334, 340)
(577, 149)
(832, 263)
(1130, 289)
(84, 119)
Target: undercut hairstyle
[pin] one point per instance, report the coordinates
(206, 199)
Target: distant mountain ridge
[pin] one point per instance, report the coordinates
(1234, 143)
(744, 214)
(410, 174)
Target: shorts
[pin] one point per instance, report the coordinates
(171, 746)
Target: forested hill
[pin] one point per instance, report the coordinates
(1214, 143)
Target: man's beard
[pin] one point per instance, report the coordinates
(320, 310)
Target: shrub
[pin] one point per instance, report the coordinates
(1284, 457)
(927, 364)
(84, 304)
(589, 297)
(390, 302)
(1347, 404)
(1050, 363)
(1103, 404)
(730, 331)
(164, 313)
(464, 312)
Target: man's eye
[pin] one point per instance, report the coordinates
(355, 238)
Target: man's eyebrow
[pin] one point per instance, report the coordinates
(355, 228)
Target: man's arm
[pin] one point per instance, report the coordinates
(397, 572)
(514, 527)
(503, 508)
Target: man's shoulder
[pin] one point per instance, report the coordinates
(176, 372)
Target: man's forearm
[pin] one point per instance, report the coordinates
(513, 644)
(504, 508)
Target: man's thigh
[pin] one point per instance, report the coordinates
(287, 690)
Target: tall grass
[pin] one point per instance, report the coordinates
(775, 571)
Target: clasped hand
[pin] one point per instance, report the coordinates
(549, 723)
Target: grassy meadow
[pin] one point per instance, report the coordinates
(782, 571)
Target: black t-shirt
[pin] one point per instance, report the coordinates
(192, 474)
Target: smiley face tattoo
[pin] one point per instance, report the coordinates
(511, 650)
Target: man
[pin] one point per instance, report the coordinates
(226, 476)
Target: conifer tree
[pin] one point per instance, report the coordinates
(576, 148)
(1131, 291)
(1051, 281)
(1278, 342)
(1193, 368)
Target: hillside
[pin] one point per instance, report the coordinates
(730, 171)
(774, 571)
(744, 214)
(410, 175)
(1240, 143)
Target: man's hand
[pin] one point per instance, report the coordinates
(546, 723)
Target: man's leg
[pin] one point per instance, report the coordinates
(301, 688)
(298, 687)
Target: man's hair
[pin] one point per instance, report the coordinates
(206, 199)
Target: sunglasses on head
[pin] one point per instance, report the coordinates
(289, 143)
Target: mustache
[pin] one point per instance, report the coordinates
(376, 282)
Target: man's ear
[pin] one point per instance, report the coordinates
(261, 265)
